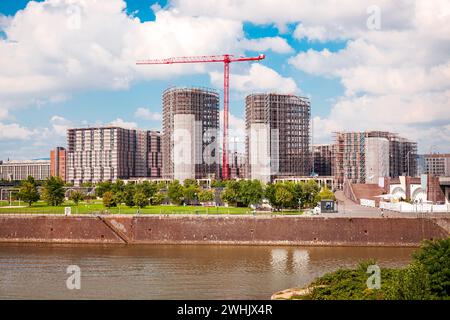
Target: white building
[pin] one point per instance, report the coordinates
(21, 169)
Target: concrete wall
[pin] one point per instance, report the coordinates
(224, 230)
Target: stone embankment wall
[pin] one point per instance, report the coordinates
(176, 229)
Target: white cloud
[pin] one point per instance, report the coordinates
(146, 114)
(236, 132)
(14, 131)
(3, 113)
(276, 44)
(60, 125)
(57, 47)
(119, 122)
(342, 19)
(258, 79)
(396, 78)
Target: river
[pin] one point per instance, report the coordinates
(39, 271)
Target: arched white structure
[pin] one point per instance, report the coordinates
(398, 193)
(419, 195)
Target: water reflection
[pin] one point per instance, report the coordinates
(174, 272)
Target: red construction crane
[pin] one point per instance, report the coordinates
(226, 59)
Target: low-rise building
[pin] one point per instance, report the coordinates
(21, 169)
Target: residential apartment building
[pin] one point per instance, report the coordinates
(278, 136)
(58, 162)
(190, 132)
(323, 159)
(21, 169)
(437, 164)
(364, 157)
(109, 153)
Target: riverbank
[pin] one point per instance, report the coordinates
(222, 229)
(425, 278)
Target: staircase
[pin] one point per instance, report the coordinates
(358, 191)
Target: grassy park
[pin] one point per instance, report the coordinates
(93, 207)
(52, 196)
(98, 207)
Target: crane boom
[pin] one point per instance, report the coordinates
(201, 59)
(226, 59)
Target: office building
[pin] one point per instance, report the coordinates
(21, 169)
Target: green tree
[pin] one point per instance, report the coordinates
(250, 192)
(140, 199)
(120, 197)
(175, 192)
(283, 195)
(108, 199)
(190, 193)
(206, 196)
(190, 182)
(434, 256)
(149, 188)
(86, 185)
(103, 187)
(28, 191)
(231, 193)
(157, 199)
(117, 186)
(218, 184)
(326, 194)
(269, 194)
(128, 195)
(77, 196)
(310, 191)
(53, 191)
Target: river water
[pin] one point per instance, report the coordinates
(37, 271)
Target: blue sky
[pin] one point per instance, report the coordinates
(332, 63)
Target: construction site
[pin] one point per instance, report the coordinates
(190, 130)
(278, 136)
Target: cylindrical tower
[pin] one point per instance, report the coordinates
(278, 136)
(190, 131)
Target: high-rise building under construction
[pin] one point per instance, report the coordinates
(190, 131)
(364, 157)
(278, 136)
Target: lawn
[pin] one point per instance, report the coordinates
(96, 206)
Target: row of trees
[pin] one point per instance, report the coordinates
(280, 195)
(52, 191)
(235, 193)
(151, 193)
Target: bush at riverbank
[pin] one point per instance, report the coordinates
(426, 278)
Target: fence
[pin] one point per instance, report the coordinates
(407, 207)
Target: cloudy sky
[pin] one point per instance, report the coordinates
(365, 65)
